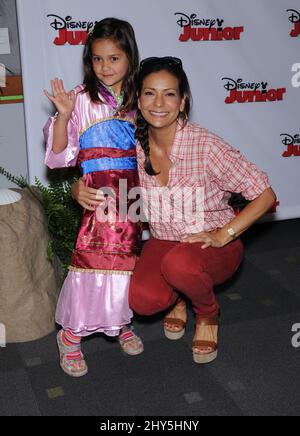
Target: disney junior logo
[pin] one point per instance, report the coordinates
(250, 92)
(206, 29)
(295, 20)
(69, 31)
(292, 142)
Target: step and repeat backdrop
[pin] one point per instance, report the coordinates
(242, 59)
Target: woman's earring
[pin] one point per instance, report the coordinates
(183, 116)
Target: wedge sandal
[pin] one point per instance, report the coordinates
(205, 356)
(176, 323)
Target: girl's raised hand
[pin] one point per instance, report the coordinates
(63, 101)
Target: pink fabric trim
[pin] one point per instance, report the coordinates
(91, 303)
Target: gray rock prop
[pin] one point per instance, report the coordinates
(29, 283)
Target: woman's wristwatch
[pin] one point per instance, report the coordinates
(231, 233)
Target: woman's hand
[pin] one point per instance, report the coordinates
(62, 100)
(249, 215)
(211, 239)
(88, 198)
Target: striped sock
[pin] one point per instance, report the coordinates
(69, 339)
(74, 356)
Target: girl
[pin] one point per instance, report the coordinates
(94, 126)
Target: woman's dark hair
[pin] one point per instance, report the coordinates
(122, 33)
(154, 65)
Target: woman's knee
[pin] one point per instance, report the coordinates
(145, 301)
(178, 263)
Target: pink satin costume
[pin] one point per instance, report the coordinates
(94, 296)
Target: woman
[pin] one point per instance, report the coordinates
(184, 258)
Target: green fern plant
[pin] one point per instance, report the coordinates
(62, 212)
(19, 181)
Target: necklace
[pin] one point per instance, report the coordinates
(112, 99)
(119, 98)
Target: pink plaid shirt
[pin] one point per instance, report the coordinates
(213, 169)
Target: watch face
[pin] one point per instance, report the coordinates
(231, 232)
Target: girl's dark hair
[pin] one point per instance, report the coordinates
(122, 33)
(154, 65)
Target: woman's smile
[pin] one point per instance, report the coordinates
(158, 114)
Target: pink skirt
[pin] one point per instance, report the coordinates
(94, 302)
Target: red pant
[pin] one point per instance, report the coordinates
(166, 268)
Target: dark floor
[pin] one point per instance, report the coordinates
(256, 372)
